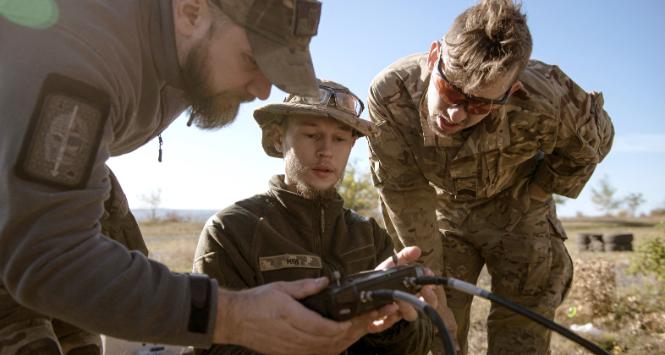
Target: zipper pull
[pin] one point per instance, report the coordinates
(161, 142)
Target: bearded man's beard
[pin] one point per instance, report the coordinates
(208, 110)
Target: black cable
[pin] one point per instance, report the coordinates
(394, 295)
(476, 291)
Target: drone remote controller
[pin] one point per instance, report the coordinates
(344, 298)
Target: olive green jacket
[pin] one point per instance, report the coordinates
(282, 236)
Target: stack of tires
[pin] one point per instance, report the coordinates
(618, 242)
(582, 241)
(590, 242)
(599, 242)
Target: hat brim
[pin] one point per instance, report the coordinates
(271, 114)
(290, 69)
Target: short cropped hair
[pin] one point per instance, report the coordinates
(485, 42)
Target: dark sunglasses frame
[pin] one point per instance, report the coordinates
(472, 104)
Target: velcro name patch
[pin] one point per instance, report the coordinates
(287, 261)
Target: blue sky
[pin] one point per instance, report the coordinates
(616, 47)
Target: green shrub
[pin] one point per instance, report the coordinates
(650, 259)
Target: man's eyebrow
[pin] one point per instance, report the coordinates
(307, 123)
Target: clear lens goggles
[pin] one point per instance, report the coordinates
(342, 100)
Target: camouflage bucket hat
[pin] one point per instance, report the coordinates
(333, 100)
(279, 32)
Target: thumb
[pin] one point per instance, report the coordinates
(403, 257)
(303, 288)
(408, 255)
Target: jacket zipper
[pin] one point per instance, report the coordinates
(323, 221)
(319, 239)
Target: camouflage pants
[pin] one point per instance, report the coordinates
(23, 331)
(528, 264)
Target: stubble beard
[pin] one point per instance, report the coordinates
(208, 110)
(296, 172)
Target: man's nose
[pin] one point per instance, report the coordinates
(456, 113)
(325, 148)
(259, 87)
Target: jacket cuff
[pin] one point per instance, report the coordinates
(202, 309)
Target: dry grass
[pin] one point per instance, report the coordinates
(630, 309)
(172, 243)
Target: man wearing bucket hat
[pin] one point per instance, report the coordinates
(83, 81)
(299, 227)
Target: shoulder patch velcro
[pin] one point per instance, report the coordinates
(65, 131)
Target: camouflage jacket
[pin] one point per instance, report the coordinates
(281, 236)
(552, 133)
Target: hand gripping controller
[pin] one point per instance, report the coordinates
(345, 297)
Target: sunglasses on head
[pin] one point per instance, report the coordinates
(452, 95)
(342, 100)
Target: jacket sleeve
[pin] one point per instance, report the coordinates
(403, 337)
(54, 259)
(408, 202)
(584, 138)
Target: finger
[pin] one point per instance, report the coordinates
(387, 310)
(404, 256)
(430, 297)
(407, 311)
(312, 322)
(303, 288)
(384, 324)
(365, 318)
(307, 321)
(303, 340)
(440, 295)
(408, 255)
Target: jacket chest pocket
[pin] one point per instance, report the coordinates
(360, 258)
(476, 176)
(433, 163)
(464, 177)
(280, 254)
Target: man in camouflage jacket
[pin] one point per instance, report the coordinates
(473, 139)
(299, 228)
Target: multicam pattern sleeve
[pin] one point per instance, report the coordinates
(584, 136)
(408, 201)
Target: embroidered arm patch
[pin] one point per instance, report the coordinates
(65, 131)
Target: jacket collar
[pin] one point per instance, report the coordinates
(158, 14)
(303, 209)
